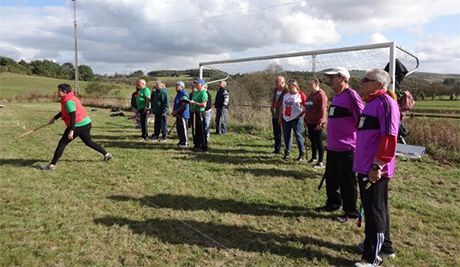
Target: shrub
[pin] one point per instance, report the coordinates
(439, 136)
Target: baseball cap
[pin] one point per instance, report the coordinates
(338, 70)
(200, 81)
(180, 83)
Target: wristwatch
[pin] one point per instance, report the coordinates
(375, 167)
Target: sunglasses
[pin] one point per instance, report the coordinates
(366, 80)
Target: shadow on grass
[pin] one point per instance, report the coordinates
(33, 162)
(234, 150)
(20, 162)
(277, 172)
(139, 145)
(182, 202)
(121, 136)
(207, 234)
(261, 158)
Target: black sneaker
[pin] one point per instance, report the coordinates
(327, 208)
(286, 156)
(276, 151)
(312, 160)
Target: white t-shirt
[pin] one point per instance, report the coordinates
(292, 105)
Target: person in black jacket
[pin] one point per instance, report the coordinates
(221, 104)
(134, 107)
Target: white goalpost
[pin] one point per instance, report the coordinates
(354, 58)
(251, 80)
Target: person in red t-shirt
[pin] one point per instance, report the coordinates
(315, 120)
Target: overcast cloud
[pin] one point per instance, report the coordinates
(123, 36)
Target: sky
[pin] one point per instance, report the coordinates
(127, 35)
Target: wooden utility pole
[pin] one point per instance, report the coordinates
(76, 89)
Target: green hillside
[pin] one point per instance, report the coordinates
(12, 84)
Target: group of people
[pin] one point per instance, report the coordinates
(361, 143)
(192, 110)
(361, 137)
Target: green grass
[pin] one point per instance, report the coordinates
(12, 84)
(447, 105)
(236, 205)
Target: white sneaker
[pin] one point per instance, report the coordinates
(49, 167)
(108, 157)
(384, 255)
(319, 165)
(378, 262)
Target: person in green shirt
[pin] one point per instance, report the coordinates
(160, 107)
(143, 102)
(197, 107)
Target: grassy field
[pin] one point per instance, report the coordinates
(236, 205)
(12, 84)
(443, 105)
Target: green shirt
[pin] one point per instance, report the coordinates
(70, 106)
(199, 97)
(142, 97)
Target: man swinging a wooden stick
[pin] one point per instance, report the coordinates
(78, 125)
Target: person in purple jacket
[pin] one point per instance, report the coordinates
(375, 163)
(343, 117)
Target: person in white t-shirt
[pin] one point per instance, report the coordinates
(292, 110)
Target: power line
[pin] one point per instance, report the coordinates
(202, 19)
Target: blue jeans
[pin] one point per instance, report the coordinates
(297, 126)
(207, 123)
(221, 120)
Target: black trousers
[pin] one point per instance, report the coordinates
(84, 133)
(143, 120)
(160, 124)
(341, 188)
(199, 132)
(181, 128)
(316, 140)
(377, 218)
(277, 134)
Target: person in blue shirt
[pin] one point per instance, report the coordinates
(182, 113)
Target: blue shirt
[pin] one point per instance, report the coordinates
(180, 97)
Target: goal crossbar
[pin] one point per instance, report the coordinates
(391, 45)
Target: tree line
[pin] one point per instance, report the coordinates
(46, 68)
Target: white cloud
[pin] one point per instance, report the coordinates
(377, 38)
(118, 36)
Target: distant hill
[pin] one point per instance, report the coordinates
(435, 77)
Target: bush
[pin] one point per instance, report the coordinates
(101, 90)
(439, 136)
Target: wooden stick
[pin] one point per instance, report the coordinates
(33, 130)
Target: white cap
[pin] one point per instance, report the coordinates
(339, 70)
